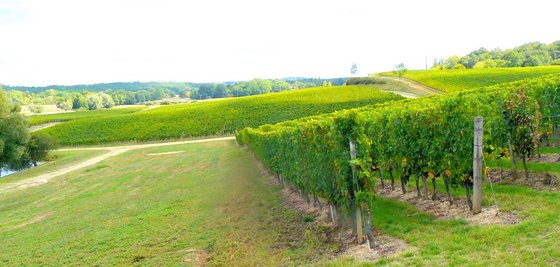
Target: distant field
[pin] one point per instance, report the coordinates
(60, 117)
(215, 117)
(458, 80)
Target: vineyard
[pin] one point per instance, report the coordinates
(62, 117)
(460, 80)
(215, 117)
(428, 140)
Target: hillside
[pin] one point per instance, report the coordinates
(215, 117)
(356, 159)
(459, 80)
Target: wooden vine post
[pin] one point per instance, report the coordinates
(477, 165)
(359, 227)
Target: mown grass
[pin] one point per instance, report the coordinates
(550, 150)
(57, 160)
(68, 116)
(213, 118)
(436, 242)
(459, 80)
(136, 209)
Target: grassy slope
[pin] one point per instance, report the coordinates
(458, 80)
(60, 117)
(215, 117)
(61, 159)
(139, 209)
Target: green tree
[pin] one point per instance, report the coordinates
(354, 68)
(94, 101)
(106, 100)
(14, 135)
(38, 148)
(400, 70)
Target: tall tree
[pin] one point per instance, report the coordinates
(354, 69)
(400, 70)
(14, 135)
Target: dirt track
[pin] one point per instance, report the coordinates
(112, 151)
(416, 85)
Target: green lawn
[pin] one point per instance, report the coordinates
(60, 159)
(150, 210)
(550, 150)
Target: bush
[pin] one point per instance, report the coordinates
(364, 81)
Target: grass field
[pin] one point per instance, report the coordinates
(155, 210)
(215, 117)
(459, 80)
(68, 116)
(161, 210)
(60, 159)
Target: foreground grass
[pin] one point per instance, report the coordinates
(459, 80)
(58, 160)
(434, 242)
(153, 210)
(137, 209)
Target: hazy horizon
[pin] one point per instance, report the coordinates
(65, 42)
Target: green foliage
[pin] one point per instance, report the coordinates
(429, 136)
(526, 55)
(400, 70)
(354, 68)
(14, 135)
(61, 117)
(39, 146)
(364, 81)
(458, 80)
(215, 117)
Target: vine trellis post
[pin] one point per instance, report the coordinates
(359, 227)
(477, 165)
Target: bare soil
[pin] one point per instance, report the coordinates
(196, 257)
(546, 158)
(442, 209)
(342, 236)
(537, 180)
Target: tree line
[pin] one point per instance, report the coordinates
(107, 95)
(88, 100)
(526, 55)
(259, 86)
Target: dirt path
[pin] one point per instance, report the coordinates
(415, 85)
(35, 128)
(112, 151)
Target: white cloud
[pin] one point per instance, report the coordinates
(68, 42)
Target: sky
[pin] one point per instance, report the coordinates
(68, 42)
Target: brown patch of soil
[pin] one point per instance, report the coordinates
(546, 158)
(196, 257)
(442, 209)
(34, 220)
(342, 237)
(537, 180)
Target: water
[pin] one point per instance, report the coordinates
(6, 172)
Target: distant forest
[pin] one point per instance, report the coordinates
(526, 55)
(106, 95)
